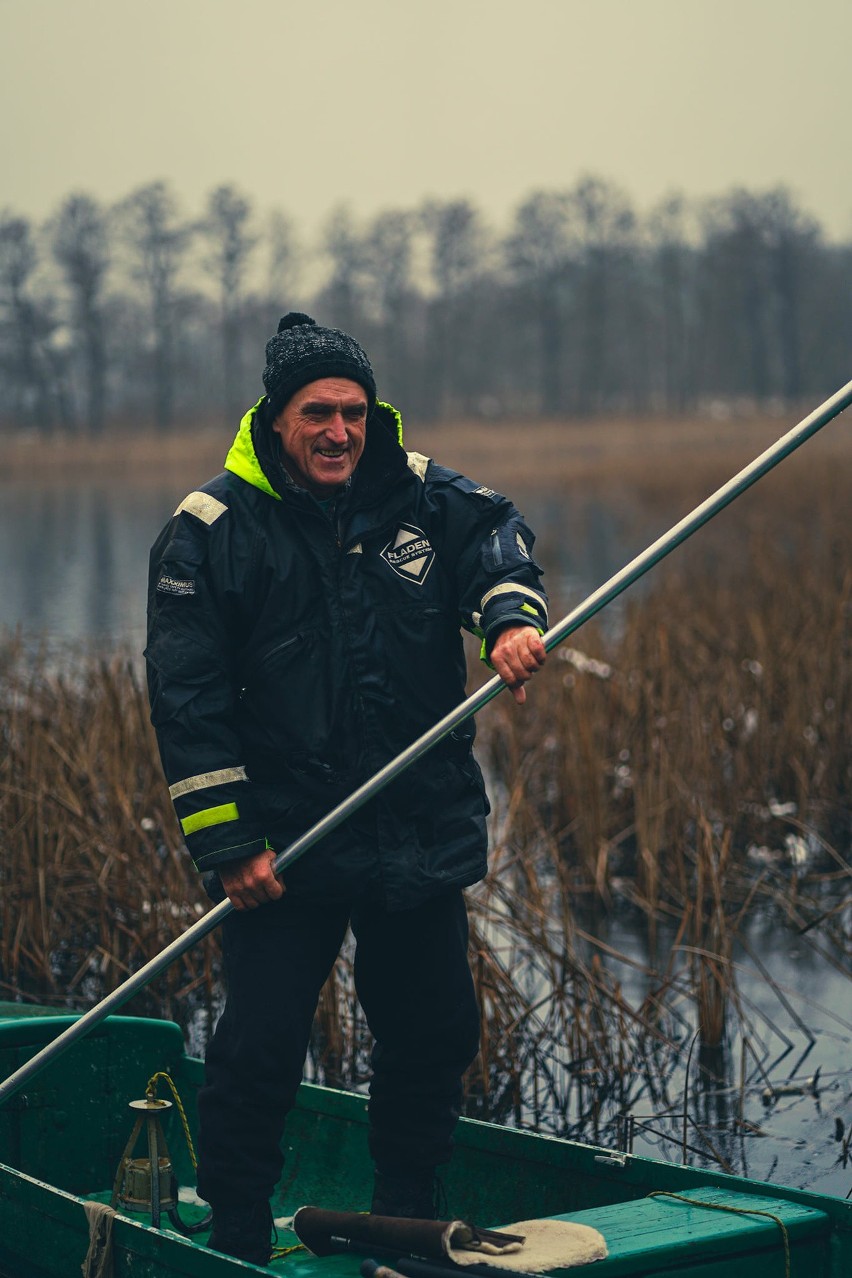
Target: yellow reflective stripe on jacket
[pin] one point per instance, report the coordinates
(205, 780)
(512, 588)
(210, 816)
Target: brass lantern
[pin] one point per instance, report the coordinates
(137, 1186)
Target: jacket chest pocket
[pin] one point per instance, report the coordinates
(258, 668)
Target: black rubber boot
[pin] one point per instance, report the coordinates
(244, 1232)
(410, 1194)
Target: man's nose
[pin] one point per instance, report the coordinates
(336, 429)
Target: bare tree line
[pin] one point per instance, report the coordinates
(137, 314)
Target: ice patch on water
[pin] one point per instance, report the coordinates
(797, 850)
(777, 809)
(585, 664)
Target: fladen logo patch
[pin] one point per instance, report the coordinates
(410, 554)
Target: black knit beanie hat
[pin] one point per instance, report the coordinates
(301, 352)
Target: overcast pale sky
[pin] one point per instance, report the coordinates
(380, 103)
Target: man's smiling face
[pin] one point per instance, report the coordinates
(323, 428)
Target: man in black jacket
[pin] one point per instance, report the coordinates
(304, 628)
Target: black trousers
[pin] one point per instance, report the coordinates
(413, 981)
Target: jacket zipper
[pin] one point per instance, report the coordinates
(288, 643)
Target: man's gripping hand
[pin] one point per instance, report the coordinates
(517, 654)
(251, 881)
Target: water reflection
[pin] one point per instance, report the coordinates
(73, 560)
(796, 1027)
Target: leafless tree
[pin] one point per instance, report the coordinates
(826, 329)
(759, 248)
(792, 238)
(672, 253)
(285, 262)
(156, 240)
(30, 368)
(602, 226)
(80, 242)
(342, 247)
(539, 258)
(457, 260)
(230, 240)
(387, 268)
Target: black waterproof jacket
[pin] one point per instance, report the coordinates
(294, 649)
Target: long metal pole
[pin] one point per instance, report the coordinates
(578, 617)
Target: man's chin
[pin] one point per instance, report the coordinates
(322, 489)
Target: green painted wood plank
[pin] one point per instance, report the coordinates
(38, 1026)
(658, 1234)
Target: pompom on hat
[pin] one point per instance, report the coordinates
(301, 352)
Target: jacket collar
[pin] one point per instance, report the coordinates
(254, 455)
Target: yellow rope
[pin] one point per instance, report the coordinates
(278, 1253)
(151, 1093)
(737, 1211)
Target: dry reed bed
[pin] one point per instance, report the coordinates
(678, 761)
(694, 762)
(91, 888)
(510, 455)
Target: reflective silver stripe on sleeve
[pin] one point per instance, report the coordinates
(206, 779)
(511, 588)
(203, 506)
(418, 463)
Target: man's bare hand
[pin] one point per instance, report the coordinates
(251, 881)
(516, 656)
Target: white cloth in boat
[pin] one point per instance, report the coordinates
(548, 1244)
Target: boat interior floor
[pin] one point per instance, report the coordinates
(700, 1231)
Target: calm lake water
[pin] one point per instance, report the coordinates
(74, 560)
(73, 567)
(794, 1138)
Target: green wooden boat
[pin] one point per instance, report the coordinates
(62, 1140)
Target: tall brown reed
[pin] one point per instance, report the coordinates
(93, 878)
(725, 695)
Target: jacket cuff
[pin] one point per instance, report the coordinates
(494, 622)
(209, 859)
